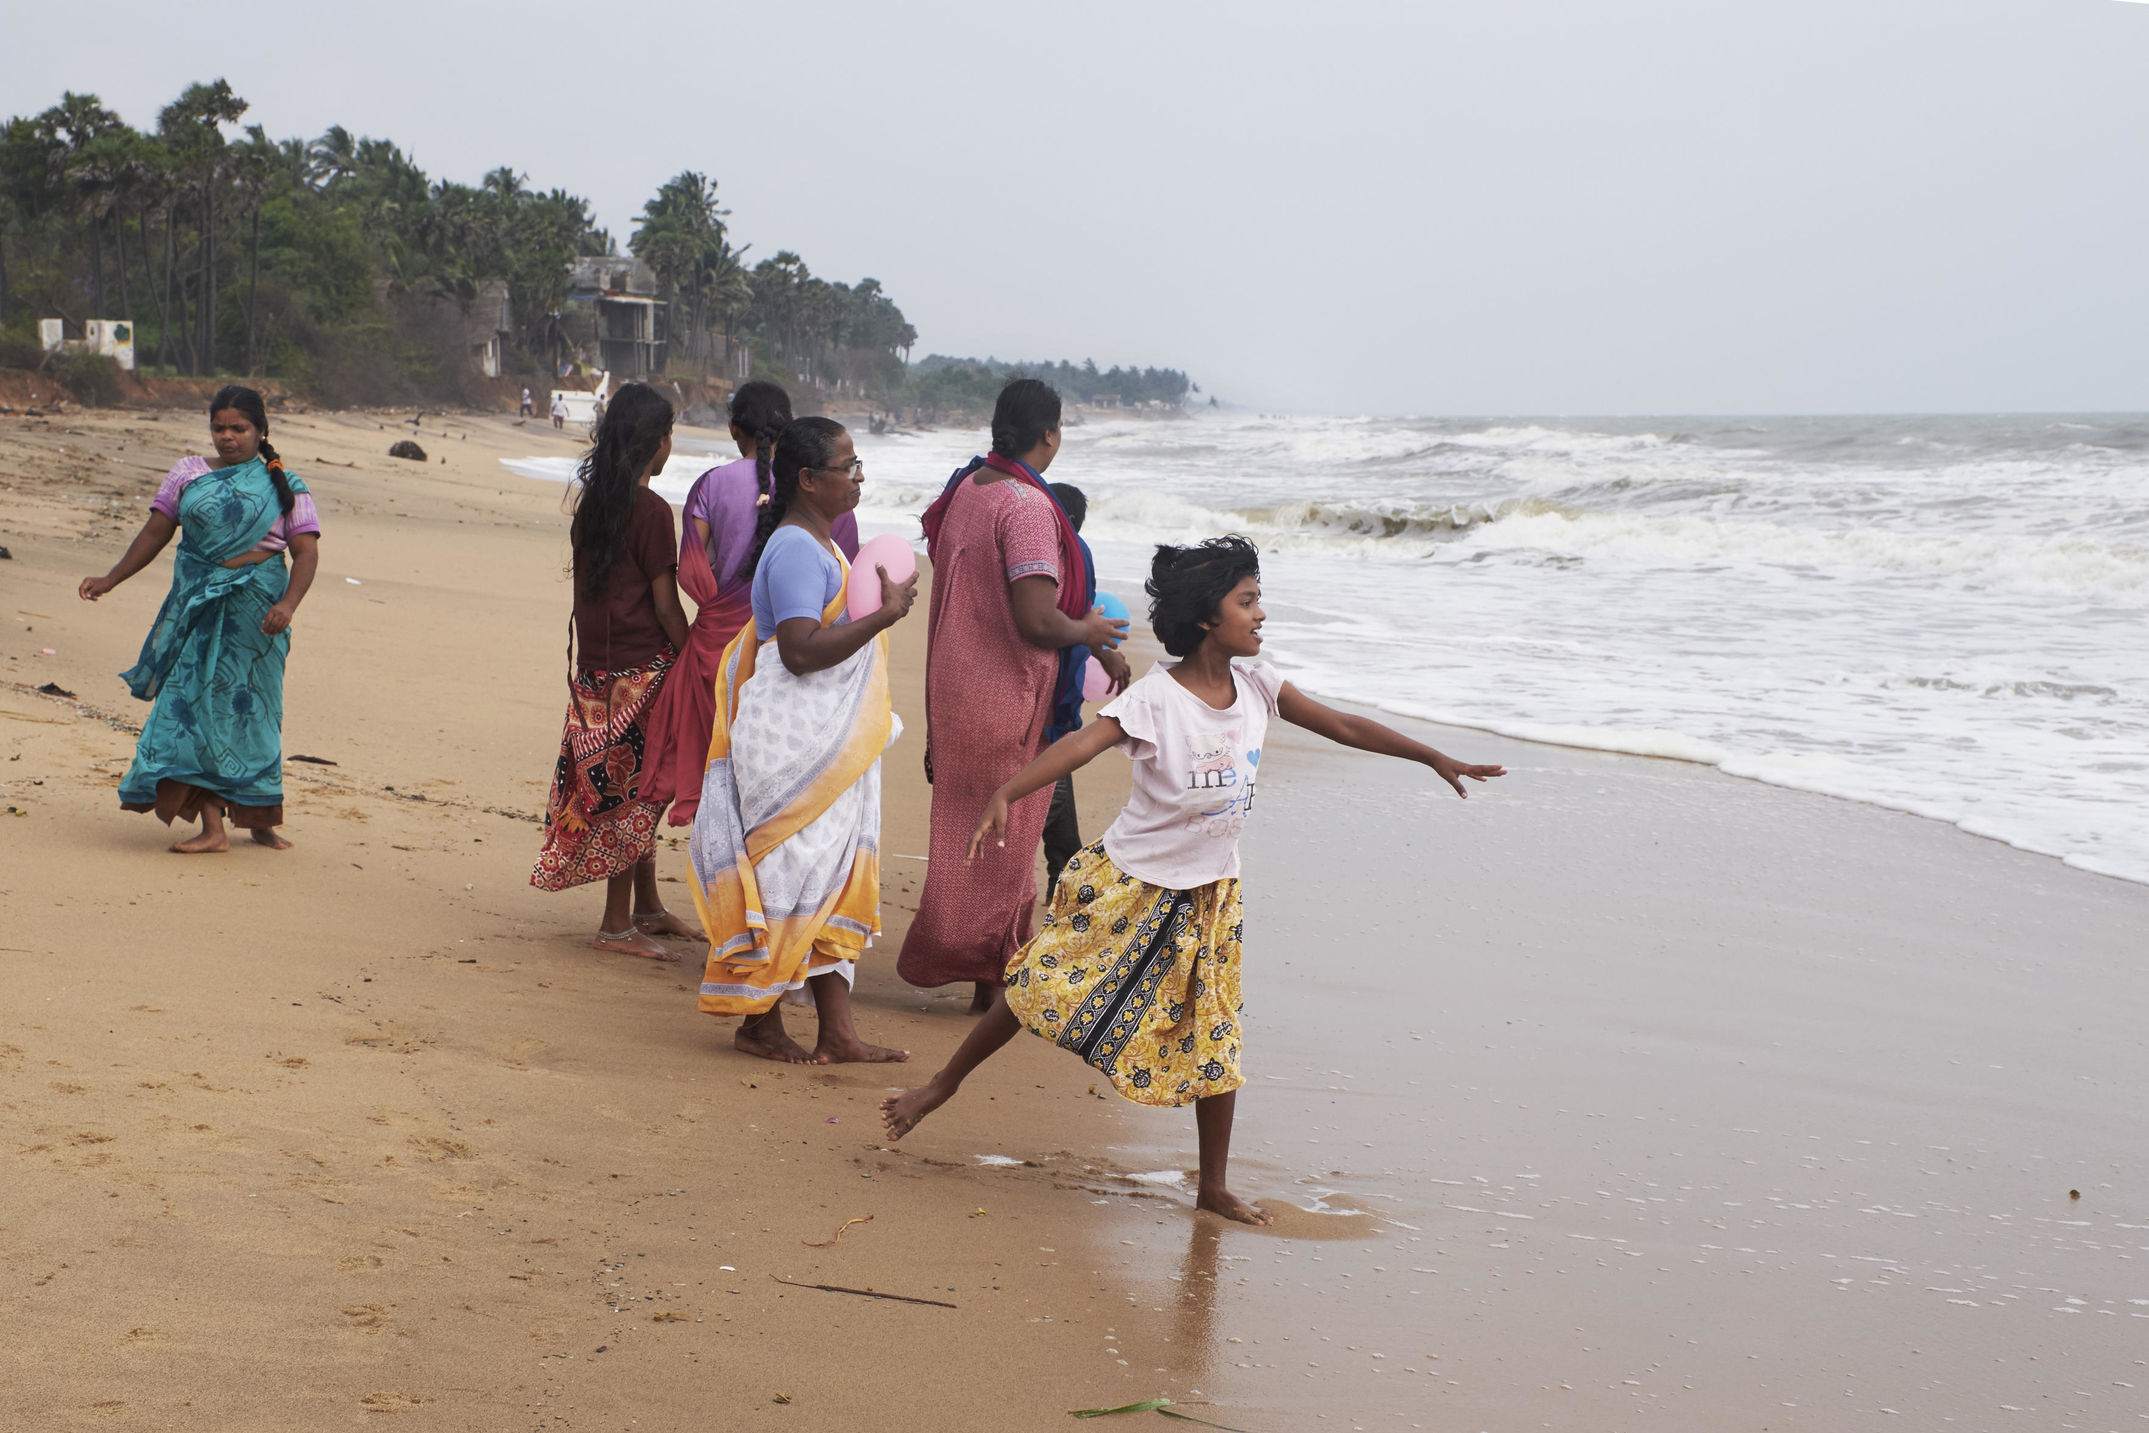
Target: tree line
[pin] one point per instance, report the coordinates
(339, 267)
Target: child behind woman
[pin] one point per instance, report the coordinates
(1137, 967)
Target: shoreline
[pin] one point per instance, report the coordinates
(364, 1127)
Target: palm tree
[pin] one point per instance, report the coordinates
(190, 126)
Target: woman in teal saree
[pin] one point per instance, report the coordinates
(213, 662)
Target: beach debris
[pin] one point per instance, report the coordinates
(825, 1243)
(405, 448)
(354, 582)
(54, 689)
(6, 556)
(2074, 1194)
(669, 1316)
(312, 760)
(862, 1293)
(1148, 1405)
(48, 652)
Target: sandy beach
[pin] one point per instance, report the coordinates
(1625, 1094)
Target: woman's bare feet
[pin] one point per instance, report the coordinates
(765, 1037)
(263, 836)
(211, 841)
(981, 998)
(631, 942)
(900, 1113)
(664, 923)
(1223, 1201)
(833, 1049)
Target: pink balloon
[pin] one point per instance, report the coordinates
(888, 552)
(1096, 686)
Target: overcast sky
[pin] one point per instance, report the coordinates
(1504, 206)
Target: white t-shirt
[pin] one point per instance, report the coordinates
(1194, 770)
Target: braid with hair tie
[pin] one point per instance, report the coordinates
(762, 409)
(765, 438)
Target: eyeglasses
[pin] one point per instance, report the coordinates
(855, 465)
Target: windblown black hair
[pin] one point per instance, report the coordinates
(635, 424)
(1188, 584)
(805, 443)
(761, 410)
(238, 396)
(1027, 409)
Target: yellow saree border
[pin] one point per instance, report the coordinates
(753, 961)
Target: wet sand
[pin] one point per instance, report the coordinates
(1624, 1094)
(1671, 1101)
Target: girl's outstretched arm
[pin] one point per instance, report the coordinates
(1065, 756)
(1295, 707)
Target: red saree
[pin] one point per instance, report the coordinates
(685, 709)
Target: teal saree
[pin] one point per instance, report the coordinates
(215, 733)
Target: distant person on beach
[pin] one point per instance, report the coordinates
(1137, 967)
(627, 629)
(1011, 599)
(213, 662)
(525, 410)
(786, 845)
(1063, 826)
(559, 410)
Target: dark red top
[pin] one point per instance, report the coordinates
(619, 630)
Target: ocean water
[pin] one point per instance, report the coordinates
(1945, 616)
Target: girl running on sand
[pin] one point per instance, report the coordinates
(1137, 967)
(628, 629)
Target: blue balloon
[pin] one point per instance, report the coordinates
(1113, 607)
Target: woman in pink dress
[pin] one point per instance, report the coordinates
(1009, 593)
(715, 538)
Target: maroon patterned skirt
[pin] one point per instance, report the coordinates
(596, 823)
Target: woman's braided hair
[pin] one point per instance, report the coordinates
(762, 410)
(245, 400)
(805, 443)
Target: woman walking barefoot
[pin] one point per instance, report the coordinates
(786, 842)
(628, 627)
(1137, 967)
(214, 659)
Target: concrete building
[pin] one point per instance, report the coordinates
(630, 321)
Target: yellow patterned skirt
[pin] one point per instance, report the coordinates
(1141, 982)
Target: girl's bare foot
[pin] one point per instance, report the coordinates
(1224, 1202)
(207, 843)
(850, 1050)
(631, 942)
(263, 836)
(664, 923)
(768, 1040)
(900, 1113)
(981, 998)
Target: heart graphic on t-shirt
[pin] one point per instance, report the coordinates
(1253, 758)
